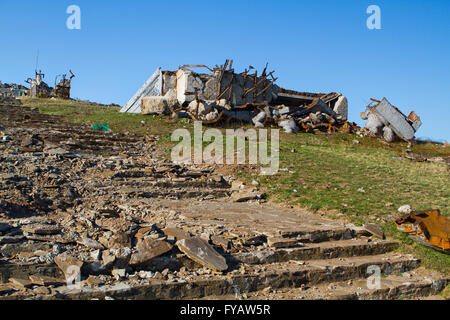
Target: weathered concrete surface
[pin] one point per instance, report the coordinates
(187, 85)
(390, 116)
(157, 105)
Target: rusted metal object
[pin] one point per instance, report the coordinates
(62, 89)
(427, 227)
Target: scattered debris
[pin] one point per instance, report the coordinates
(427, 227)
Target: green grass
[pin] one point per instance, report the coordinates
(92, 113)
(329, 172)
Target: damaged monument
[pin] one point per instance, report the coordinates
(247, 97)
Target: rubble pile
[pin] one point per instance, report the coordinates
(224, 95)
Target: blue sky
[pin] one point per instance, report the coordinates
(317, 46)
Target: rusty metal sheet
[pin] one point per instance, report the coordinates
(427, 227)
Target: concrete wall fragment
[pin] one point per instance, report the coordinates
(152, 87)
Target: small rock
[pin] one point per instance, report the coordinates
(405, 209)
(119, 274)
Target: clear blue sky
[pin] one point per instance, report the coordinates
(314, 45)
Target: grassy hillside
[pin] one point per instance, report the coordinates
(330, 175)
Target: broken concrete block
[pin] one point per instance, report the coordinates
(157, 105)
(259, 118)
(201, 252)
(392, 117)
(341, 108)
(388, 134)
(200, 107)
(187, 85)
(319, 105)
(374, 123)
(289, 126)
(147, 249)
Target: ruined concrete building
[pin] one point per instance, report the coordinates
(246, 96)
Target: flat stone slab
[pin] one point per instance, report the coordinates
(42, 229)
(178, 233)
(20, 283)
(374, 229)
(283, 242)
(148, 249)
(45, 281)
(201, 252)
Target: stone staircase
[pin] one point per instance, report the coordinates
(272, 252)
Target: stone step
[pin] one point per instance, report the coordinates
(416, 284)
(24, 270)
(323, 250)
(277, 276)
(164, 183)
